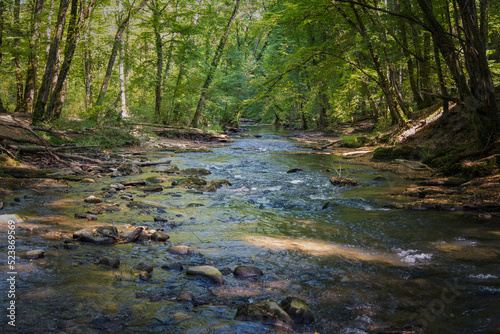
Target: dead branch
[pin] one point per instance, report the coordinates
(132, 237)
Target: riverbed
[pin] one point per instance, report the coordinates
(359, 264)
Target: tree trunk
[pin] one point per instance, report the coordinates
(479, 97)
(114, 52)
(482, 102)
(159, 64)
(39, 114)
(87, 55)
(29, 88)
(77, 21)
(213, 67)
(121, 72)
(2, 9)
(17, 56)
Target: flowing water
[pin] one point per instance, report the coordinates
(359, 265)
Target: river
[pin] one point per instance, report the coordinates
(359, 265)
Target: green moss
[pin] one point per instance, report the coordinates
(399, 152)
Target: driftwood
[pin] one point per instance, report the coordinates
(135, 234)
(36, 149)
(86, 159)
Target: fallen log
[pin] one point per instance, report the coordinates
(132, 237)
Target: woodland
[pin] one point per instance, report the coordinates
(209, 62)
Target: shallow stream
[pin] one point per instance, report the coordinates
(359, 265)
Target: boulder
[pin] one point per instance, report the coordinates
(134, 183)
(294, 170)
(117, 186)
(109, 261)
(87, 236)
(93, 199)
(195, 171)
(159, 236)
(297, 309)
(247, 271)
(129, 168)
(344, 182)
(207, 271)
(219, 183)
(33, 254)
(144, 267)
(266, 312)
(179, 250)
(152, 189)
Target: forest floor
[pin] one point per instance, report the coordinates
(473, 187)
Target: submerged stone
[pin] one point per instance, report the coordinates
(247, 271)
(33, 254)
(179, 250)
(266, 312)
(109, 261)
(177, 266)
(207, 271)
(297, 309)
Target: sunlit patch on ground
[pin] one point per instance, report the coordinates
(319, 248)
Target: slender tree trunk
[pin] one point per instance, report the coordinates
(2, 9)
(114, 52)
(373, 103)
(44, 90)
(213, 67)
(17, 56)
(29, 88)
(87, 55)
(121, 72)
(159, 62)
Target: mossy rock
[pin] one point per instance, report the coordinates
(266, 312)
(398, 152)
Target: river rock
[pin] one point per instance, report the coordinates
(109, 261)
(93, 199)
(344, 182)
(134, 183)
(144, 267)
(186, 296)
(266, 312)
(129, 168)
(195, 171)
(160, 219)
(247, 271)
(87, 236)
(166, 169)
(5, 219)
(179, 250)
(329, 205)
(177, 266)
(152, 189)
(219, 183)
(145, 276)
(297, 309)
(85, 215)
(33, 254)
(159, 236)
(294, 170)
(208, 271)
(145, 205)
(117, 186)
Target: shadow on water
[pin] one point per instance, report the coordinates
(359, 265)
